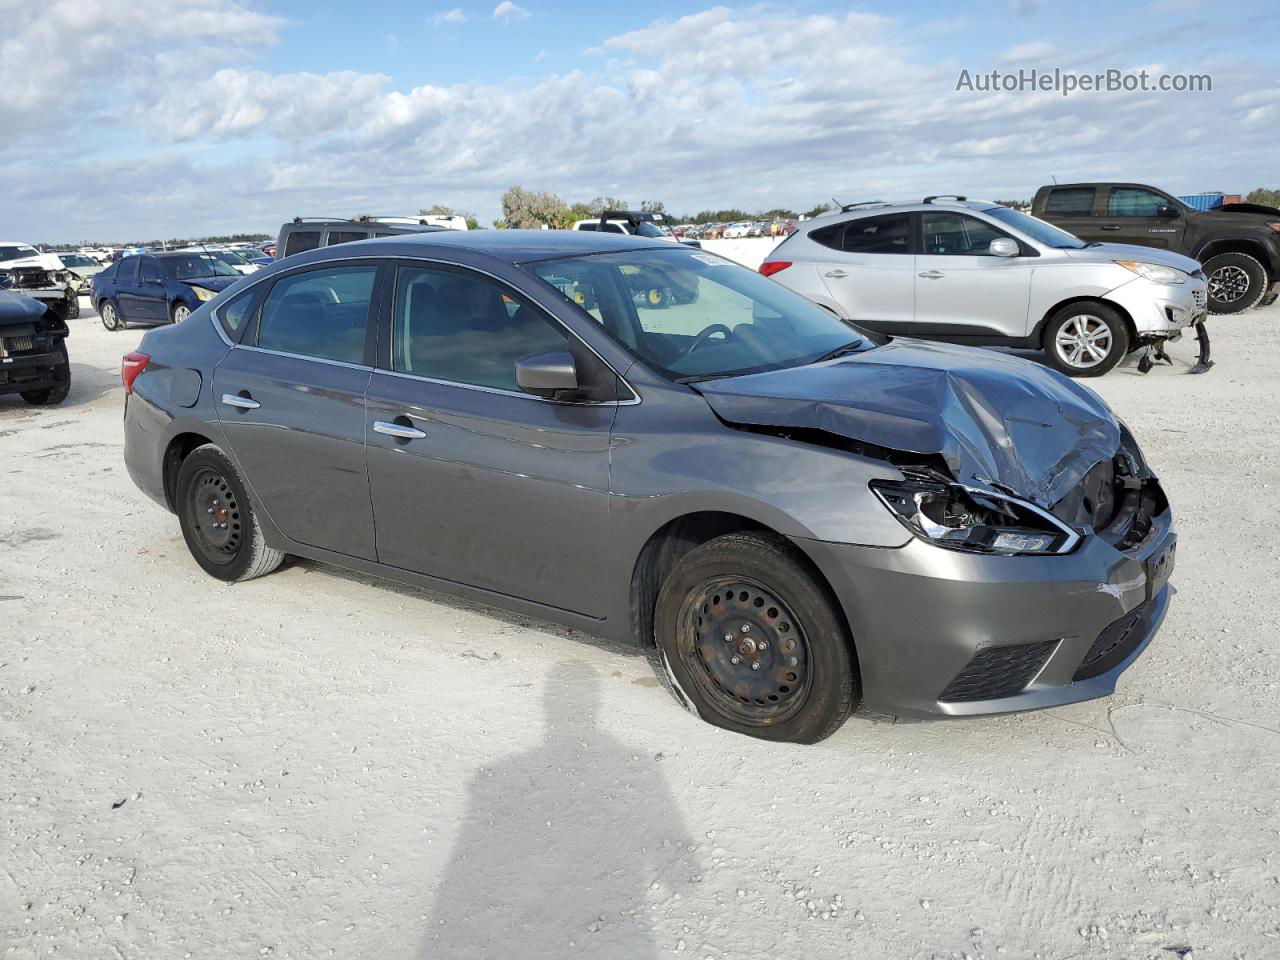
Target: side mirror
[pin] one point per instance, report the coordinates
(1168, 211)
(1003, 247)
(546, 374)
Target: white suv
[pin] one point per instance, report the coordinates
(979, 273)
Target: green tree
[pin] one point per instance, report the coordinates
(599, 205)
(1268, 198)
(653, 206)
(523, 209)
(818, 210)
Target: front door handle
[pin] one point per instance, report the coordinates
(244, 403)
(931, 275)
(398, 430)
(1111, 226)
(836, 274)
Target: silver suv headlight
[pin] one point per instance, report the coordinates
(964, 518)
(1155, 272)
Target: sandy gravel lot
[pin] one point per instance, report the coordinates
(316, 764)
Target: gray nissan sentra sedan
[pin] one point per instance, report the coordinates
(652, 444)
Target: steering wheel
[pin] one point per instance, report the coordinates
(706, 335)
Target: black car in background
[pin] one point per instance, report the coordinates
(33, 350)
(158, 287)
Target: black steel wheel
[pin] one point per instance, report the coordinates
(750, 639)
(217, 518)
(57, 390)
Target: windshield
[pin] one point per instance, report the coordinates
(190, 266)
(1036, 229)
(646, 229)
(693, 316)
(229, 256)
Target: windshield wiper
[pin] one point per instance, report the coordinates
(843, 351)
(705, 376)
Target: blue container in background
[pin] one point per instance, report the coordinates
(1202, 201)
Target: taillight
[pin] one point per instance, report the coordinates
(770, 267)
(132, 365)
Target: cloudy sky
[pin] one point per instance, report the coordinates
(159, 118)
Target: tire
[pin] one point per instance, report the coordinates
(110, 315)
(1237, 282)
(218, 520)
(805, 686)
(73, 307)
(52, 395)
(179, 312)
(1086, 339)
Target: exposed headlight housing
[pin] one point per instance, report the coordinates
(957, 517)
(1154, 272)
(204, 294)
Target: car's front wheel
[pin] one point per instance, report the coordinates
(56, 392)
(179, 312)
(1237, 282)
(1086, 339)
(218, 521)
(748, 639)
(111, 318)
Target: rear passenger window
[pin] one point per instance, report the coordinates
(1070, 202)
(345, 236)
(128, 269)
(891, 234)
(321, 313)
(465, 329)
(301, 240)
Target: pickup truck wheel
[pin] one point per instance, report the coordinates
(52, 395)
(1237, 282)
(218, 522)
(749, 641)
(1086, 339)
(110, 316)
(179, 312)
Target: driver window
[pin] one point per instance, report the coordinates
(151, 271)
(953, 234)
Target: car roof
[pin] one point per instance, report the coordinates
(512, 246)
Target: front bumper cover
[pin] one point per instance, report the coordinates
(921, 614)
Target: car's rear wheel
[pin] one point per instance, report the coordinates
(1086, 339)
(751, 642)
(111, 318)
(218, 521)
(179, 312)
(1237, 282)
(55, 393)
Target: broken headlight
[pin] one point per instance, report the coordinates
(978, 521)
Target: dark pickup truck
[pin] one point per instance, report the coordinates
(1238, 243)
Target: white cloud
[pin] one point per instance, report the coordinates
(507, 11)
(1026, 52)
(448, 17)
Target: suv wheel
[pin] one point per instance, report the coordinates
(1086, 339)
(750, 642)
(1237, 282)
(217, 519)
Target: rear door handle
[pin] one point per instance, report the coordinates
(931, 275)
(244, 403)
(1111, 226)
(397, 430)
(836, 274)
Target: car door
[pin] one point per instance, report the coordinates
(290, 397)
(1073, 209)
(152, 296)
(870, 270)
(129, 289)
(1133, 216)
(473, 480)
(962, 290)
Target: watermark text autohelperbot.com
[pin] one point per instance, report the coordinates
(1031, 80)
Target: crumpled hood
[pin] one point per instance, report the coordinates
(211, 283)
(992, 417)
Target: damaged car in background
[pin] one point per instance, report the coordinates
(41, 276)
(796, 518)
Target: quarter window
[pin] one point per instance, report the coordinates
(1070, 202)
(464, 328)
(235, 315)
(1129, 202)
(952, 234)
(321, 313)
(890, 234)
(301, 240)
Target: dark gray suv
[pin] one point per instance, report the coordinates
(791, 515)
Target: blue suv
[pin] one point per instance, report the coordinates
(158, 287)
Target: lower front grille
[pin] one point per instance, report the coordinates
(1200, 297)
(13, 345)
(999, 672)
(1114, 644)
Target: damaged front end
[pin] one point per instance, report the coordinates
(56, 289)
